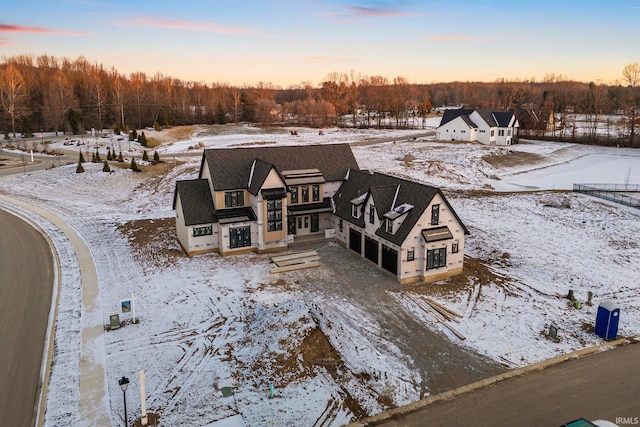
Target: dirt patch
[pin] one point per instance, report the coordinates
(509, 158)
(474, 272)
(153, 241)
(315, 352)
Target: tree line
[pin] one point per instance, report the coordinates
(73, 95)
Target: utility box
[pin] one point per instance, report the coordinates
(607, 320)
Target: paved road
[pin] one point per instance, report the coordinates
(604, 385)
(26, 280)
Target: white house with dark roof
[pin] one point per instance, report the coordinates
(404, 227)
(261, 199)
(481, 125)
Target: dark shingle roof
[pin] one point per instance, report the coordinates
(412, 193)
(230, 167)
(452, 114)
(261, 170)
(197, 204)
(492, 118)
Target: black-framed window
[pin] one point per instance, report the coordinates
(239, 237)
(435, 214)
(500, 132)
(274, 215)
(354, 211)
(389, 225)
(372, 214)
(207, 230)
(233, 199)
(294, 194)
(436, 258)
(411, 254)
(341, 225)
(455, 247)
(305, 193)
(493, 132)
(315, 193)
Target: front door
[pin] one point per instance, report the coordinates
(239, 237)
(303, 225)
(315, 222)
(291, 226)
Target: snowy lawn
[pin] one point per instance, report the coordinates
(210, 322)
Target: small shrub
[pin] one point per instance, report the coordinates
(145, 156)
(105, 167)
(156, 157)
(79, 168)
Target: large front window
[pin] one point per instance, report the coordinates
(436, 258)
(239, 237)
(274, 215)
(233, 199)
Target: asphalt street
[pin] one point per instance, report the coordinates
(602, 385)
(26, 280)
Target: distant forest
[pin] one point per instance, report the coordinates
(73, 95)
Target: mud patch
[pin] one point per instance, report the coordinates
(153, 241)
(509, 158)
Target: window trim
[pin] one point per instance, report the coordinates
(294, 194)
(439, 255)
(411, 254)
(305, 194)
(435, 214)
(206, 230)
(455, 247)
(229, 199)
(315, 192)
(274, 223)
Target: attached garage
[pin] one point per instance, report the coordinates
(390, 259)
(371, 249)
(355, 240)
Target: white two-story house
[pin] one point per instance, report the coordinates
(481, 125)
(261, 199)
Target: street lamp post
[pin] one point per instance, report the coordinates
(124, 383)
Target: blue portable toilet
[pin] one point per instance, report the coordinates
(607, 320)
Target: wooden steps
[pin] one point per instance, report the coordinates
(295, 261)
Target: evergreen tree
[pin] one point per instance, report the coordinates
(142, 139)
(81, 160)
(145, 156)
(156, 157)
(93, 158)
(133, 135)
(120, 158)
(98, 159)
(109, 157)
(79, 168)
(134, 166)
(221, 118)
(105, 167)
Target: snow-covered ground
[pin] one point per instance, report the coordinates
(210, 322)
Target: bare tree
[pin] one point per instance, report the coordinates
(58, 100)
(631, 76)
(138, 82)
(12, 91)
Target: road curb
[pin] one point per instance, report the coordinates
(450, 394)
(47, 356)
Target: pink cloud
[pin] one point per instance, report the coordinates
(21, 29)
(452, 38)
(183, 25)
(353, 13)
(374, 12)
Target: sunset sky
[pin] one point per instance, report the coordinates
(288, 42)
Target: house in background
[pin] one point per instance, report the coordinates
(481, 125)
(263, 198)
